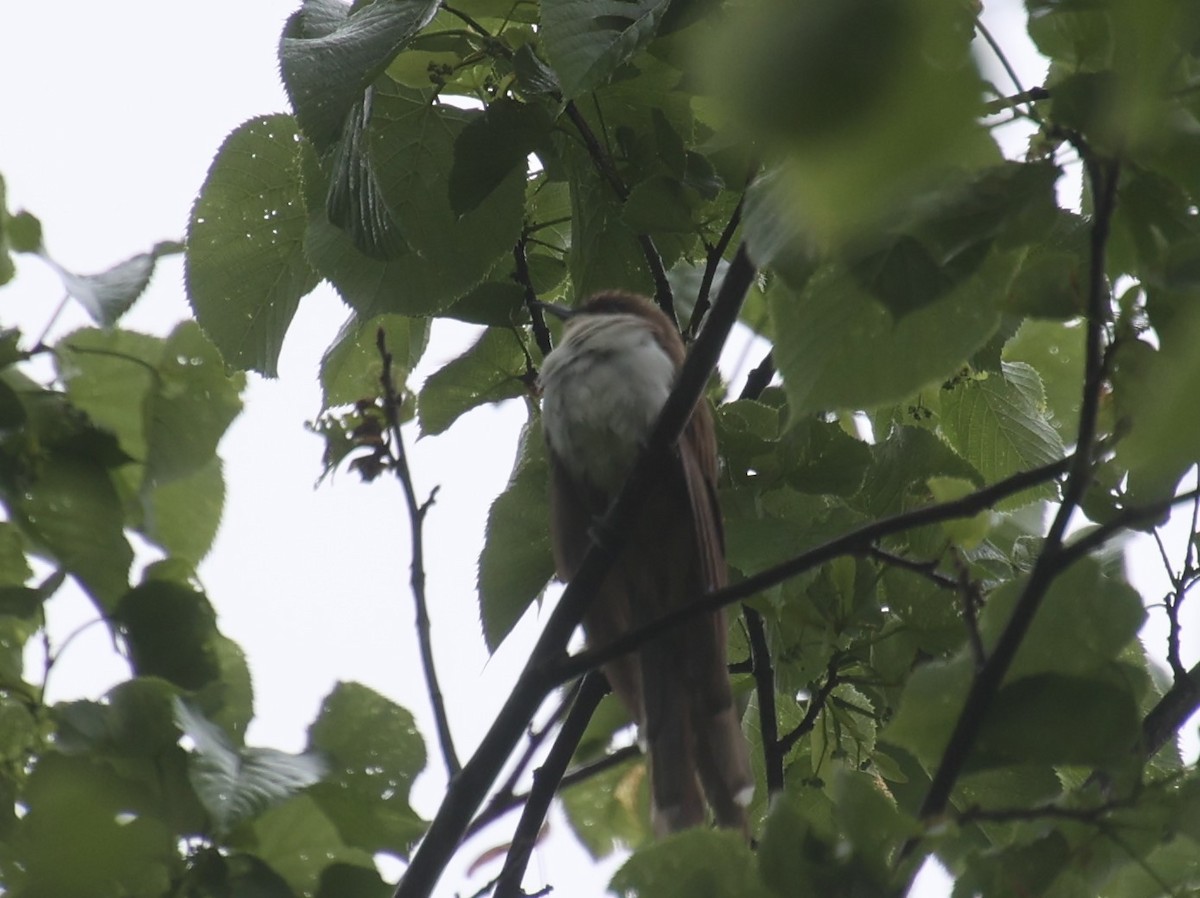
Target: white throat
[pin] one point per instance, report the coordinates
(602, 389)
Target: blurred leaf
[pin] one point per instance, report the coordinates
(108, 295)
(999, 425)
(193, 404)
(516, 563)
(1094, 614)
(72, 511)
(83, 834)
(169, 628)
(374, 753)
(930, 705)
(23, 231)
(660, 204)
(491, 370)
(300, 843)
(586, 40)
(1060, 719)
(183, 515)
(611, 810)
(693, 864)
(331, 52)
(14, 566)
(246, 269)
(838, 349)
(351, 367)
(236, 784)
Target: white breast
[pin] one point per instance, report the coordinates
(602, 389)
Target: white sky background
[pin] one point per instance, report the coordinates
(111, 115)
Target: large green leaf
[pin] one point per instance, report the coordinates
(489, 371)
(330, 53)
(610, 810)
(412, 145)
(586, 40)
(115, 848)
(931, 702)
(694, 864)
(246, 270)
(374, 753)
(491, 147)
(168, 629)
(183, 515)
(515, 562)
(1056, 352)
(998, 423)
(351, 366)
(839, 349)
(236, 784)
(300, 843)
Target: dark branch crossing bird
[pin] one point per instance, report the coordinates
(603, 387)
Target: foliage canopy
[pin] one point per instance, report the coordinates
(975, 349)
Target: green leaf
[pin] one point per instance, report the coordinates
(491, 147)
(586, 40)
(193, 404)
(236, 784)
(183, 515)
(14, 566)
(351, 367)
(490, 371)
(245, 268)
(999, 425)
(838, 349)
(300, 843)
(108, 295)
(1056, 352)
(1060, 719)
(24, 232)
(502, 303)
(115, 849)
(930, 705)
(611, 810)
(331, 52)
(412, 144)
(693, 864)
(516, 562)
(1096, 615)
(169, 628)
(72, 511)
(661, 204)
(374, 753)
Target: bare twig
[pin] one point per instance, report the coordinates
(815, 704)
(537, 678)
(764, 686)
(712, 262)
(1008, 69)
(759, 379)
(926, 569)
(416, 515)
(546, 780)
(541, 333)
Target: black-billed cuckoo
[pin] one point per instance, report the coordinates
(602, 389)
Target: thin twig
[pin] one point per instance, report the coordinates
(580, 774)
(1008, 69)
(467, 790)
(759, 379)
(925, 569)
(1050, 563)
(764, 687)
(852, 543)
(546, 780)
(712, 263)
(815, 704)
(541, 333)
(416, 515)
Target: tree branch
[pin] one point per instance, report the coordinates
(854, 542)
(664, 297)
(1050, 561)
(467, 790)
(546, 781)
(416, 517)
(815, 704)
(712, 263)
(541, 333)
(759, 379)
(764, 687)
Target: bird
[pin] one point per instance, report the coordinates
(602, 388)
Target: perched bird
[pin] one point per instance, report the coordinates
(602, 389)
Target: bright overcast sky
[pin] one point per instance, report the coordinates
(112, 113)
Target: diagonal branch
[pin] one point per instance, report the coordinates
(416, 516)
(764, 687)
(546, 780)
(1051, 561)
(468, 789)
(855, 542)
